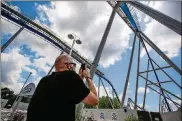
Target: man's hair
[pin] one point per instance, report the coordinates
(60, 57)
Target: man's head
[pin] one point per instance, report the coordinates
(63, 63)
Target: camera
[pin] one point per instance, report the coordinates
(83, 66)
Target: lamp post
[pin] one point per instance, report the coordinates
(75, 39)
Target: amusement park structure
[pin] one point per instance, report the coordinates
(127, 11)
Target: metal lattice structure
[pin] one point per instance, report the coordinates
(127, 12)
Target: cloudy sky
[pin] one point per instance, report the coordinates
(88, 20)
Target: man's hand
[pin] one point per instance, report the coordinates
(84, 73)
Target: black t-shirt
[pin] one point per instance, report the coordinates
(56, 96)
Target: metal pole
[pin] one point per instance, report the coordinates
(103, 41)
(162, 82)
(72, 46)
(53, 65)
(109, 82)
(160, 17)
(128, 74)
(155, 73)
(11, 39)
(160, 52)
(171, 99)
(138, 67)
(159, 102)
(22, 88)
(163, 95)
(98, 90)
(107, 94)
(113, 98)
(167, 74)
(155, 69)
(15, 104)
(144, 97)
(161, 88)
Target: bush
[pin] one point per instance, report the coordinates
(132, 118)
(19, 116)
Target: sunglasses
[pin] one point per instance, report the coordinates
(71, 65)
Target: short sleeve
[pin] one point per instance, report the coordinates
(78, 90)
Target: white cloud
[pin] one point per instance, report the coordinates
(34, 72)
(167, 40)
(148, 107)
(36, 80)
(172, 105)
(147, 19)
(8, 28)
(102, 91)
(12, 64)
(128, 92)
(89, 24)
(16, 8)
(141, 90)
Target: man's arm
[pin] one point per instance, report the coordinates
(91, 86)
(91, 99)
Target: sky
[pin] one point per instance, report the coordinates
(88, 20)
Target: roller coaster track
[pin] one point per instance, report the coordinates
(44, 32)
(16, 17)
(24, 21)
(130, 101)
(9, 13)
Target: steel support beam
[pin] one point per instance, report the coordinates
(112, 104)
(144, 97)
(98, 91)
(15, 104)
(160, 82)
(11, 39)
(103, 41)
(161, 88)
(171, 99)
(163, 95)
(138, 67)
(148, 41)
(128, 73)
(167, 74)
(155, 73)
(109, 82)
(159, 103)
(155, 69)
(160, 17)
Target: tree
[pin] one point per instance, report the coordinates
(8, 94)
(116, 103)
(104, 103)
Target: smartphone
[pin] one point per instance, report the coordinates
(83, 66)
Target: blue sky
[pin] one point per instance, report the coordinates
(115, 70)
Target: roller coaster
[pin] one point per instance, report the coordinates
(127, 11)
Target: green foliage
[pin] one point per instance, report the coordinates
(132, 118)
(78, 111)
(8, 94)
(104, 103)
(116, 104)
(19, 116)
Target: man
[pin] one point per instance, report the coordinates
(56, 95)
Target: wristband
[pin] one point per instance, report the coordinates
(88, 78)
